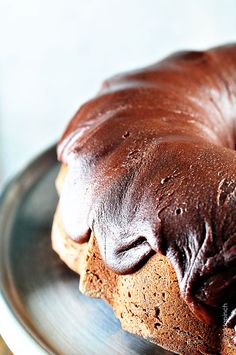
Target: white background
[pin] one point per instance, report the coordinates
(55, 53)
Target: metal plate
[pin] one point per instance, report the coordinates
(40, 300)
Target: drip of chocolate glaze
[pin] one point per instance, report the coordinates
(152, 168)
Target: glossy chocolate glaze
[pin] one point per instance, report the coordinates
(152, 168)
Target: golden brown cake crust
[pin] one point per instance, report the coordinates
(147, 302)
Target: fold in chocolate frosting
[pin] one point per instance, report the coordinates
(152, 168)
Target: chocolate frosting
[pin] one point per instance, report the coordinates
(152, 168)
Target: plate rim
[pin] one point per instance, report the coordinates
(13, 329)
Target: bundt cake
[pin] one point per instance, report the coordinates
(147, 208)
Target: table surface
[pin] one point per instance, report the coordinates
(3, 348)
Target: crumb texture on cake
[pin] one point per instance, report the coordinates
(147, 302)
